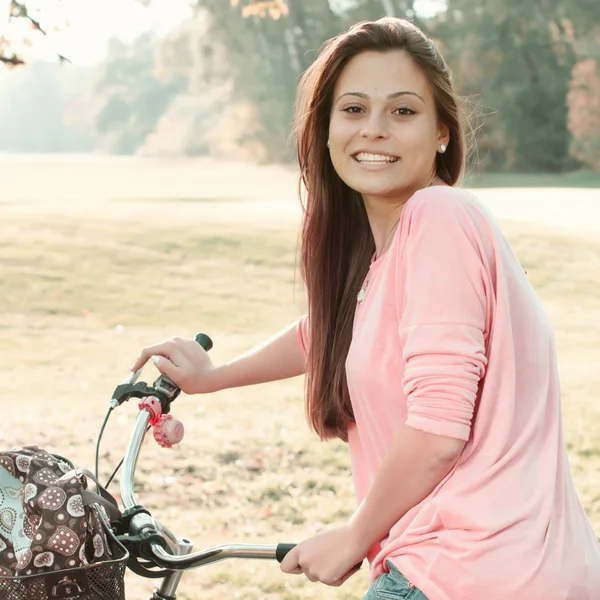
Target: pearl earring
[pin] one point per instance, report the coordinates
(328, 144)
(443, 148)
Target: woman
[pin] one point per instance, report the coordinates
(425, 347)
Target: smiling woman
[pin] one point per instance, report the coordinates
(377, 120)
(424, 347)
(390, 132)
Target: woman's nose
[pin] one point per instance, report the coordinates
(374, 127)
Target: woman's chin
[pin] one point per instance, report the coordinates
(379, 190)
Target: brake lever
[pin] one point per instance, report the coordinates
(125, 391)
(163, 389)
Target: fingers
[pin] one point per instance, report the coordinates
(311, 576)
(290, 563)
(164, 365)
(168, 358)
(314, 577)
(164, 349)
(184, 361)
(346, 576)
(178, 351)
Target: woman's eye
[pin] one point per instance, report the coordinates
(353, 110)
(405, 111)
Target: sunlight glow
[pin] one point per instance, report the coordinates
(86, 26)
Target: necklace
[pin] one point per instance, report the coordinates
(363, 291)
(389, 237)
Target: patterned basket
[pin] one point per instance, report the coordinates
(55, 540)
(98, 581)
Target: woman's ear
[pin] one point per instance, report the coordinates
(443, 138)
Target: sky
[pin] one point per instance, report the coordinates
(91, 23)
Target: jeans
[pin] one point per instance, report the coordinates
(393, 586)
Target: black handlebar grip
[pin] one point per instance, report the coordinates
(204, 341)
(282, 550)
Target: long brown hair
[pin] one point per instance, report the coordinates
(336, 240)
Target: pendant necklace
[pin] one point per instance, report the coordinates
(363, 291)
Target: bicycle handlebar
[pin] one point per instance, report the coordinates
(145, 526)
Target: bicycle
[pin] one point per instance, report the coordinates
(123, 537)
(139, 542)
(154, 551)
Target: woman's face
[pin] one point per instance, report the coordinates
(383, 129)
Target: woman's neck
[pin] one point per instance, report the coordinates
(383, 218)
(384, 215)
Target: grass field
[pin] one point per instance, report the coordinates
(576, 179)
(85, 285)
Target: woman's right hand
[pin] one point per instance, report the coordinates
(185, 362)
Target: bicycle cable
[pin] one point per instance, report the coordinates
(110, 409)
(114, 473)
(119, 465)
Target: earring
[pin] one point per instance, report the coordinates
(328, 144)
(443, 148)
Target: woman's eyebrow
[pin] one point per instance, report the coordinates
(390, 97)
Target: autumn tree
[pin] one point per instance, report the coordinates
(30, 27)
(531, 66)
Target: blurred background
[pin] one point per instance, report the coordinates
(148, 189)
(217, 77)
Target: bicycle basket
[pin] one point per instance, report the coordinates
(53, 545)
(99, 581)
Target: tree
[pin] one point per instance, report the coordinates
(520, 56)
(272, 8)
(20, 12)
(584, 112)
(36, 108)
(252, 61)
(238, 63)
(127, 99)
(261, 48)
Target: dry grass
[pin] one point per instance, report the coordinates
(84, 287)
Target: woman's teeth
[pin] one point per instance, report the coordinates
(374, 159)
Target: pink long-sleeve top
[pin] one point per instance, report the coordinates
(451, 339)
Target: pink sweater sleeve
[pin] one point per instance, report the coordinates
(302, 334)
(443, 310)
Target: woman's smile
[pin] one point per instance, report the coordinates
(372, 160)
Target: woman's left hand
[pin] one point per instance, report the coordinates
(330, 557)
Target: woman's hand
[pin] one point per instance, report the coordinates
(184, 362)
(330, 557)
